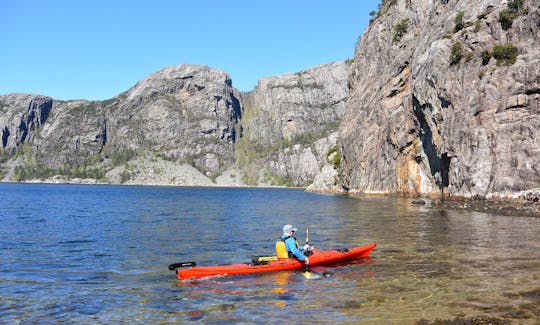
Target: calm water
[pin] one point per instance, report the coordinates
(75, 254)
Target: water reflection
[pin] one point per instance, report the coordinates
(87, 254)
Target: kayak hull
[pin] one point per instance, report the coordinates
(317, 258)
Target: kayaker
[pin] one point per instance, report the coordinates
(291, 244)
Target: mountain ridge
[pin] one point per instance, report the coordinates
(440, 100)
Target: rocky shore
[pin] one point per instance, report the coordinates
(509, 208)
(526, 204)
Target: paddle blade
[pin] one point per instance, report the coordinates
(182, 264)
(309, 275)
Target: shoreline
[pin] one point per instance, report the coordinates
(515, 208)
(524, 205)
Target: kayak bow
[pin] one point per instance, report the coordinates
(317, 258)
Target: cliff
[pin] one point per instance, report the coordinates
(444, 100)
(182, 125)
(290, 123)
(188, 115)
(440, 99)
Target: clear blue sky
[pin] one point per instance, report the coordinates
(96, 49)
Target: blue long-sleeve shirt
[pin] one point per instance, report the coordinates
(290, 244)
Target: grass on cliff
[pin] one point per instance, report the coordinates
(515, 8)
(456, 53)
(400, 29)
(4, 155)
(458, 21)
(505, 54)
(333, 157)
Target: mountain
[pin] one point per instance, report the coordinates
(444, 100)
(183, 125)
(290, 123)
(188, 115)
(441, 99)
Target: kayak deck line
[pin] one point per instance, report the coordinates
(317, 258)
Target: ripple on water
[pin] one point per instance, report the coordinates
(100, 255)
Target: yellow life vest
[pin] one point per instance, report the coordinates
(281, 249)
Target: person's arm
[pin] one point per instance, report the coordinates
(291, 246)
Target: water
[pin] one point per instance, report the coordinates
(75, 254)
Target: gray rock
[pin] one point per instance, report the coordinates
(290, 106)
(187, 114)
(406, 120)
(286, 116)
(419, 125)
(20, 117)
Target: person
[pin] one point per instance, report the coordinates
(291, 244)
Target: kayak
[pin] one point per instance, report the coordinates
(273, 265)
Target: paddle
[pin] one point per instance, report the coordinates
(181, 264)
(308, 271)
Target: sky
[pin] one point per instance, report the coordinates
(97, 49)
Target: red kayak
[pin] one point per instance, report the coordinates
(317, 258)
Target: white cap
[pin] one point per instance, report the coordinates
(288, 228)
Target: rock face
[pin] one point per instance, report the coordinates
(74, 134)
(286, 115)
(293, 105)
(187, 114)
(438, 105)
(441, 98)
(20, 117)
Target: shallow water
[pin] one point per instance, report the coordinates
(77, 254)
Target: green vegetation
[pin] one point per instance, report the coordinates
(118, 156)
(505, 53)
(506, 18)
(477, 26)
(125, 176)
(373, 15)
(514, 9)
(275, 180)
(387, 3)
(481, 74)
(486, 56)
(458, 22)
(40, 171)
(457, 53)
(384, 5)
(517, 6)
(4, 155)
(400, 29)
(334, 157)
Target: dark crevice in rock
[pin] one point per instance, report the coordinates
(439, 165)
(533, 91)
(43, 106)
(5, 137)
(23, 131)
(444, 102)
(236, 116)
